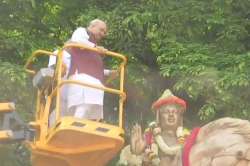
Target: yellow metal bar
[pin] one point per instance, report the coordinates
(109, 53)
(5, 135)
(110, 90)
(60, 82)
(38, 105)
(45, 119)
(59, 75)
(122, 90)
(34, 55)
(7, 107)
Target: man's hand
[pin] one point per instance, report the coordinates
(111, 75)
(101, 49)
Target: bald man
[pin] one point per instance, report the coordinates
(91, 35)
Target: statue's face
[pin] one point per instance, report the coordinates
(169, 115)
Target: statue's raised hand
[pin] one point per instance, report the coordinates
(138, 144)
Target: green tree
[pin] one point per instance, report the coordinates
(199, 49)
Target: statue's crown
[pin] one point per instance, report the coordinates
(168, 98)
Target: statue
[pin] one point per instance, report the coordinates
(222, 142)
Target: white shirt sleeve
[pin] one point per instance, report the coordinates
(80, 35)
(67, 60)
(52, 59)
(107, 72)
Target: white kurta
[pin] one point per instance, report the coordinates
(84, 102)
(79, 95)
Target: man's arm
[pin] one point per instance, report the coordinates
(110, 74)
(52, 59)
(80, 35)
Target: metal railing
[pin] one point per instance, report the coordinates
(59, 83)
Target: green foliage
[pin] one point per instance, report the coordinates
(200, 48)
(16, 87)
(14, 155)
(207, 53)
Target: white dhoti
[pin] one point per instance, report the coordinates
(84, 102)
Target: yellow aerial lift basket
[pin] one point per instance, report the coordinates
(71, 141)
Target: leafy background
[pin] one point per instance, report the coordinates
(198, 49)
